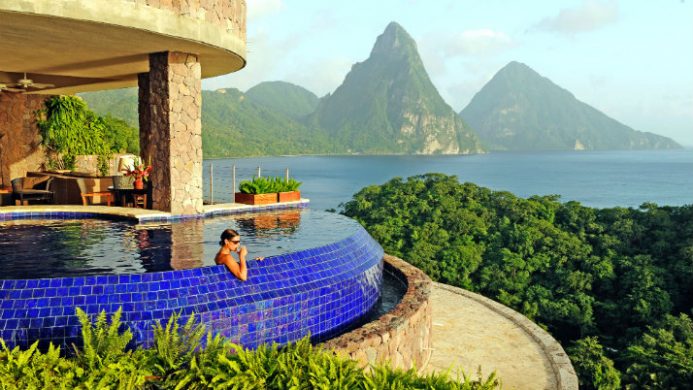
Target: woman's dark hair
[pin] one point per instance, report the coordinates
(227, 235)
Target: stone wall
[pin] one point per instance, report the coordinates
(20, 149)
(401, 337)
(172, 138)
(228, 14)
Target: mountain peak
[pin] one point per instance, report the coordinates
(518, 69)
(388, 104)
(519, 109)
(393, 40)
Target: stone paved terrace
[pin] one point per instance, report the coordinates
(471, 331)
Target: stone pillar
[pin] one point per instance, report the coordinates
(173, 137)
(144, 116)
(20, 141)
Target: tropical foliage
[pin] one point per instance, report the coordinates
(602, 281)
(68, 129)
(268, 185)
(178, 360)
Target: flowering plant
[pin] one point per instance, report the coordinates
(138, 170)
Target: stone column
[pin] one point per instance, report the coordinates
(144, 116)
(173, 138)
(20, 143)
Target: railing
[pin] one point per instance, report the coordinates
(221, 181)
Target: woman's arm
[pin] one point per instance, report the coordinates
(239, 271)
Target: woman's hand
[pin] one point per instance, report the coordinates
(242, 251)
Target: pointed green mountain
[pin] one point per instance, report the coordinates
(232, 124)
(521, 110)
(286, 98)
(388, 104)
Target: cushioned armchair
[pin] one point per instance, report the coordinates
(26, 189)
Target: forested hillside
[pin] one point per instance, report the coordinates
(286, 98)
(232, 124)
(615, 286)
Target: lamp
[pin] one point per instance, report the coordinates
(126, 162)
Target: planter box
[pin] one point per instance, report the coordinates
(256, 199)
(291, 196)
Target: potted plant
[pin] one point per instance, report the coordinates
(266, 190)
(139, 172)
(258, 191)
(290, 192)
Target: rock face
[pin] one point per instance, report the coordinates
(521, 110)
(20, 141)
(387, 104)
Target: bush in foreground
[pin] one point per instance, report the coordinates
(177, 361)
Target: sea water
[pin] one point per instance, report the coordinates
(597, 179)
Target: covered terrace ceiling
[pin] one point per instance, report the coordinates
(78, 55)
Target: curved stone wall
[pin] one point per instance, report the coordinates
(401, 337)
(225, 17)
(320, 291)
(227, 14)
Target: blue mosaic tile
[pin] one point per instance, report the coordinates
(319, 290)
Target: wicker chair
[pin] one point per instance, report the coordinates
(23, 195)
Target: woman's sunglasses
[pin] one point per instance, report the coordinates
(236, 241)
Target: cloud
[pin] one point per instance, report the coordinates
(260, 8)
(460, 91)
(321, 76)
(589, 16)
(483, 41)
(263, 54)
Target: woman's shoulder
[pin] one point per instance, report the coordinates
(221, 256)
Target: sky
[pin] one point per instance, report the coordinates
(631, 59)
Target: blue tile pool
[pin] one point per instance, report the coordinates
(322, 273)
(45, 248)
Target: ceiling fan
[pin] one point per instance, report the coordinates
(23, 85)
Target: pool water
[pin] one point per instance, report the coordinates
(32, 249)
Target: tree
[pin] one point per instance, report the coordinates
(595, 370)
(589, 276)
(663, 357)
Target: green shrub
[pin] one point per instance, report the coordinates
(268, 185)
(177, 361)
(68, 128)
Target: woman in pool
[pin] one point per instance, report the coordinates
(231, 243)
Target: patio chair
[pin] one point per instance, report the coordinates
(26, 189)
(86, 194)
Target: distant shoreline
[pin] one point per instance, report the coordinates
(685, 147)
